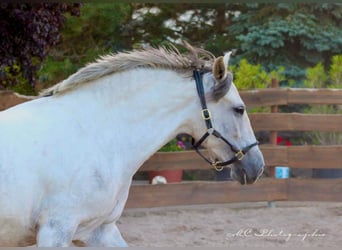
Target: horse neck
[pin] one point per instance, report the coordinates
(141, 110)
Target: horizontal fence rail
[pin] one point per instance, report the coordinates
(204, 192)
(294, 156)
(268, 189)
(286, 96)
(295, 122)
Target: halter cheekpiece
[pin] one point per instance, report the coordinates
(239, 153)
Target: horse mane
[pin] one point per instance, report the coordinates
(162, 57)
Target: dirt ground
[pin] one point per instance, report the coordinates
(307, 224)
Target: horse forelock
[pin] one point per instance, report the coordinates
(161, 57)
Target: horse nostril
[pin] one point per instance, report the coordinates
(244, 176)
(249, 179)
(258, 175)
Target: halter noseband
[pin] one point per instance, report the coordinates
(239, 154)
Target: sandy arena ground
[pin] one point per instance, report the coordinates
(297, 224)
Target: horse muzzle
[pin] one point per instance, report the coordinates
(246, 173)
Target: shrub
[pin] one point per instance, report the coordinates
(318, 77)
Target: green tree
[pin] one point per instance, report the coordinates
(293, 35)
(203, 25)
(99, 30)
(27, 32)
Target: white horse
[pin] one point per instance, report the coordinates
(67, 158)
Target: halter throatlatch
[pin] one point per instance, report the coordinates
(239, 153)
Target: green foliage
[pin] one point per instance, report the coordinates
(55, 71)
(316, 77)
(249, 76)
(28, 31)
(293, 35)
(99, 30)
(24, 88)
(335, 71)
(13, 79)
(171, 146)
(289, 35)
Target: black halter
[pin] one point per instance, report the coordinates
(239, 154)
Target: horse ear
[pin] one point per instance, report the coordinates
(226, 58)
(221, 74)
(219, 69)
(222, 88)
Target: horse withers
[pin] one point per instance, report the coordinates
(68, 157)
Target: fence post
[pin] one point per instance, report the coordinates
(273, 136)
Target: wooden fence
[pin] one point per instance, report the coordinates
(9, 99)
(266, 189)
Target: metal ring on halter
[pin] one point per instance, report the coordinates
(240, 155)
(217, 168)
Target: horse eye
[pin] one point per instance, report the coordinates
(239, 110)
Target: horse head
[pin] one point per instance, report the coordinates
(227, 135)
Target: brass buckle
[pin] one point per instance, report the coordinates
(239, 155)
(206, 114)
(217, 168)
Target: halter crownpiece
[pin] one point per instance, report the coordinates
(239, 153)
